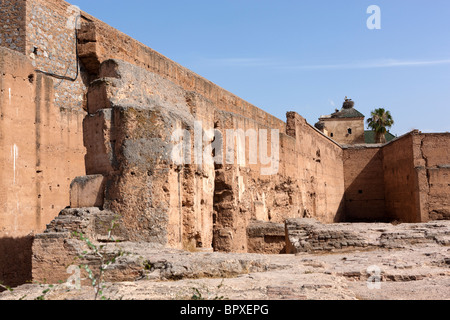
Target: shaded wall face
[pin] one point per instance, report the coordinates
(406, 180)
(364, 184)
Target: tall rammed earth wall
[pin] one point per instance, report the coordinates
(41, 153)
(41, 126)
(77, 119)
(63, 118)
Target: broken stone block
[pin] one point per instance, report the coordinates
(266, 238)
(308, 235)
(87, 191)
(97, 96)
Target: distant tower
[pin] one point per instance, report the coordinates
(345, 126)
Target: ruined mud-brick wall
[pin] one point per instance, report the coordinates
(12, 25)
(41, 126)
(416, 177)
(128, 134)
(248, 190)
(405, 180)
(254, 197)
(319, 168)
(432, 164)
(99, 42)
(401, 181)
(41, 153)
(49, 43)
(364, 184)
(44, 31)
(200, 205)
(41, 31)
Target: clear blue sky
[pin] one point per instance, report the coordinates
(305, 55)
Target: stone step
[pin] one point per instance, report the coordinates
(308, 235)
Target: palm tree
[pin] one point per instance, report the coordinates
(380, 121)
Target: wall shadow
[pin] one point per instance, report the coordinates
(365, 196)
(15, 261)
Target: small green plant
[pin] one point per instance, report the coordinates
(7, 288)
(46, 291)
(106, 260)
(47, 288)
(210, 296)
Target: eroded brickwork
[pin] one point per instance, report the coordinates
(41, 153)
(110, 111)
(12, 24)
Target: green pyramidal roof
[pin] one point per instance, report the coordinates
(369, 137)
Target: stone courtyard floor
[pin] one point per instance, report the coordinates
(412, 273)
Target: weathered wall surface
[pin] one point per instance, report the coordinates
(12, 25)
(249, 188)
(364, 184)
(41, 150)
(400, 180)
(319, 171)
(432, 164)
(51, 44)
(128, 136)
(406, 180)
(99, 42)
(124, 143)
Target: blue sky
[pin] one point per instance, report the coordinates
(305, 55)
